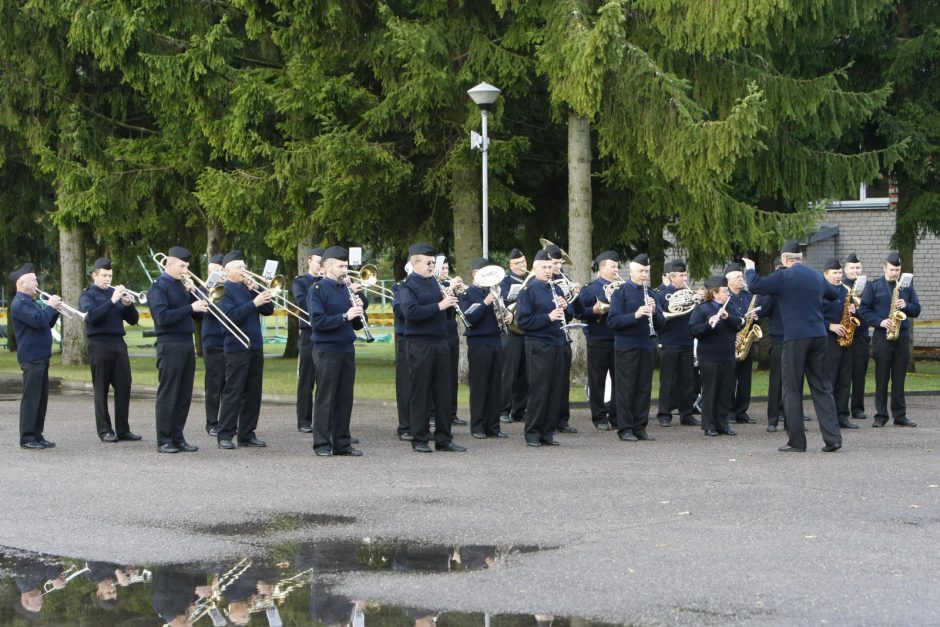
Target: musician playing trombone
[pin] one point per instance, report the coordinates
(336, 311)
(174, 306)
(600, 339)
(243, 303)
(32, 325)
(106, 310)
(213, 335)
(306, 371)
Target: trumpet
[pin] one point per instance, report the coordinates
(67, 311)
(140, 297)
(368, 278)
(275, 285)
(66, 576)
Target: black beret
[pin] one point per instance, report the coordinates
(515, 253)
(676, 265)
(643, 259)
(479, 262)
(554, 251)
(852, 258)
(832, 264)
(542, 255)
(734, 266)
(893, 258)
(607, 255)
(713, 282)
(102, 263)
(336, 252)
(317, 251)
(217, 258)
(232, 255)
(26, 268)
(421, 248)
(790, 246)
(180, 253)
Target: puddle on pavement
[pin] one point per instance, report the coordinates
(274, 524)
(293, 584)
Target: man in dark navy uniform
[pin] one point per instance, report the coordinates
(600, 339)
(554, 251)
(32, 323)
(244, 367)
(676, 361)
(741, 300)
(631, 311)
(106, 310)
(514, 384)
(861, 341)
(402, 389)
(306, 371)
(335, 314)
(891, 357)
(213, 357)
(771, 311)
(453, 342)
(173, 307)
(800, 292)
(840, 359)
(424, 308)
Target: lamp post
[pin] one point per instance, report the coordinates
(484, 95)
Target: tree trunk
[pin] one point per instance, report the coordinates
(579, 224)
(72, 267)
(468, 240)
(213, 237)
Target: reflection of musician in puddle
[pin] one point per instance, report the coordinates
(34, 575)
(175, 593)
(323, 560)
(108, 577)
(254, 585)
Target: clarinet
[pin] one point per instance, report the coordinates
(646, 298)
(456, 306)
(362, 317)
(564, 327)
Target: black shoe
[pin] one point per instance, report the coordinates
(745, 420)
(498, 434)
(479, 436)
(227, 444)
(354, 440)
(253, 443)
(663, 422)
(186, 447)
(879, 422)
(323, 452)
(789, 449)
(831, 448)
(405, 437)
(860, 416)
(130, 436)
(450, 447)
(34, 445)
(460, 422)
(46, 443)
(691, 422)
(771, 428)
(351, 452)
(643, 435)
(711, 433)
(167, 448)
(505, 419)
(305, 429)
(421, 448)
(847, 425)
(567, 429)
(603, 425)
(109, 437)
(533, 444)
(628, 437)
(551, 442)
(728, 431)
(904, 422)
(214, 432)
(807, 418)
(518, 418)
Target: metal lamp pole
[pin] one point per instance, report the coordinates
(484, 95)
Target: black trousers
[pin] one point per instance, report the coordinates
(808, 356)
(176, 368)
(306, 377)
(429, 374)
(743, 373)
(564, 406)
(545, 367)
(402, 387)
(515, 382)
(486, 368)
(676, 382)
(775, 385)
(34, 400)
(110, 367)
(336, 377)
(600, 363)
(861, 354)
(214, 361)
(891, 359)
(634, 370)
(840, 375)
(717, 387)
(241, 398)
(453, 344)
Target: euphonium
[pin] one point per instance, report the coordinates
(848, 321)
(748, 334)
(895, 314)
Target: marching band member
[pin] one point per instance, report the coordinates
(402, 398)
(635, 318)
(800, 292)
(306, 371)
(173, 308)
(564, 410)
(600, 339)
(771, 310)
(715, 329)
(891, 357)
(743, 370)
(453, 343)
(213, 359)
(840, 359)
(541, 314)
(32, 325)
(485, 356)
(514, 380)
(861, 342)
(244, 367)
(676, 367)
(424, 306)
(334, 318)
(106, 310)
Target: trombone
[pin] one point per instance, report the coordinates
(66, 310)
(275, 285)
(368, 278)
(211, 296)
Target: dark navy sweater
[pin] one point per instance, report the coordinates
(238, 304)
(800, 292)
(535, 303)
(715, 346)
(328, 302)
(424, 320)
(676, 329)
(876, 303)
(596, 329)
(301, 289)
(832, 310)
(105, 320)
(630, 331)
(212, 333)
(506, 285)
(396, 312)
(484, 327)
(171, 309)
(31, 324)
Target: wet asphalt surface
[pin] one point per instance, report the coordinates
(683, 530)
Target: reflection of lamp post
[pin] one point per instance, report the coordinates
(484, 95)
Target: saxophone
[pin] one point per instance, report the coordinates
(748, 334)
(895, 314)
(849, 321)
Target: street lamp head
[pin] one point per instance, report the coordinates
(484, 95)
